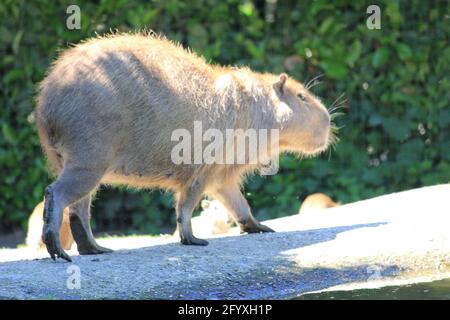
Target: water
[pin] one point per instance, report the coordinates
(439, 289)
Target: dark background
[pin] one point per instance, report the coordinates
(395, 131)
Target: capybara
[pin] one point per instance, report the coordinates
(317, 201)
(36, 223)
(109, 107)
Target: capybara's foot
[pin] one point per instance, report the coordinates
(81, 229)
(255, 227)
(53, 244)
(93, 249)
(193, 241)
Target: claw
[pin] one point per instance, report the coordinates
(255, 227)
(51, 240)
(264, 228)
(94, 249)
(65, 256)
(194, 241)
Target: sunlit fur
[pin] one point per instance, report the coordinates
(108, 107)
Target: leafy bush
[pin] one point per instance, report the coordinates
(395, 133)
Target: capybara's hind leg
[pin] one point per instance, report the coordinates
(186, 202)
(81, 229)
(235, 202)
(72, 184)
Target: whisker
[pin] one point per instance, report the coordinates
(342, 102)
(307, 86)
(335, 115)
(336, 108)
(345, 100)
(308, 83)
(339, 105)
(337, 99)
(315, 83)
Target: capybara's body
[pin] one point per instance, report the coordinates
(317, 201)
(36, 224)
(108, 108)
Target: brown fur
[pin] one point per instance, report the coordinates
(317, 201)
(107, 109)
(36, 223)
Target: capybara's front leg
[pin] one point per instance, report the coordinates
(235, 202)
(187, 199)
(81, 228)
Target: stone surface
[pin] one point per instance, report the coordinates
(399, 237)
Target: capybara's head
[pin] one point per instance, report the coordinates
(305, 122)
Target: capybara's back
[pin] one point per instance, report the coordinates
(117, 99)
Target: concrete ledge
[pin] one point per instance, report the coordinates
(398, 237)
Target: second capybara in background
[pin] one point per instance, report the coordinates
(213, 220)
(317, 201)
(218, 216)
(36, 223)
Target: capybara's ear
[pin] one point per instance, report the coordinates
(279, 85)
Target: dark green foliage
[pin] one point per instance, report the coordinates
(396, 128)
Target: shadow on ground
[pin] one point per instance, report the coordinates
(252, 266)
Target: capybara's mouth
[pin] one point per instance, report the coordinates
(330, 140)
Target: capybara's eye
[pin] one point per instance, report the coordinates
(301, 96)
